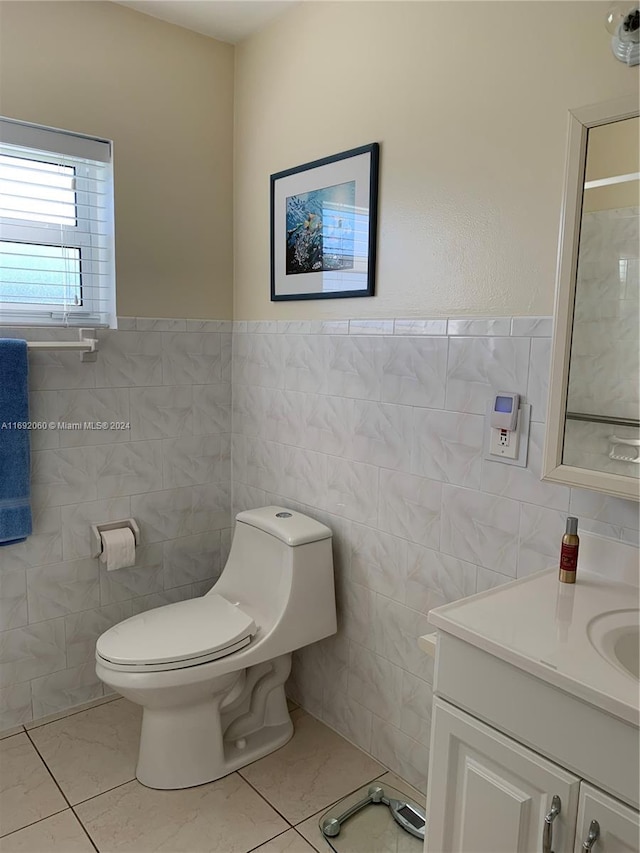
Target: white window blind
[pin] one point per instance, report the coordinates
(56, 227)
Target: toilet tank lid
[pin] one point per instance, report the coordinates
(289, 526)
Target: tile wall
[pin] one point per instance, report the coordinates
(376, 427)
(605, 341)
(170, 381)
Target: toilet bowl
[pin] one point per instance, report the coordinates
(209, 673)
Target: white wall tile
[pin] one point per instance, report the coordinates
(478, 367)
(328, 423)
(447, 446)
(409, 507)
(192, 558)
(62, 588)
(375, 683)
(378, 561)
(352, 490)
(15, 705)
(63, 689)
(161, 412)
(541, 532)
(480, 529)
(405, 756)
(144, 578)
(415, 702)
(605, 508)
(524, 484)
(13, 598)
(479, 326)
(532, 327)
(436, 326)
(64, 475)
(396, 629)
(414, 371)
(43, 546)
(127, 469)
(212, 408)
(382, 435)
(538, 384)
(211, 504)
(162, 515)
(32, 651)
(434, 579)
(190, 358)
(128, 359)
(348, 717)
(354, 366)
(305, 362)
(93, 406)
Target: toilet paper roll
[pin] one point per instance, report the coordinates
(118, 548)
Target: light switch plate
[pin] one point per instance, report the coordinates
(524, 422)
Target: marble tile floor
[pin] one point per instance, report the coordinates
(68, 786)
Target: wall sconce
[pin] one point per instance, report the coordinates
(624, 25)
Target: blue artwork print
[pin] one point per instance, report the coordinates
(321, 230)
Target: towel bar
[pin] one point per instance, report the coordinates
(87, 346)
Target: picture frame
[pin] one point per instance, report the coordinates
(324, 227)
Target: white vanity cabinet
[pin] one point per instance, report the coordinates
(490, 794)
(532, 710)
(618, 829)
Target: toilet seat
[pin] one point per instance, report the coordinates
(176, 636)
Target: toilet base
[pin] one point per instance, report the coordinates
(205, 768)
(183, 745)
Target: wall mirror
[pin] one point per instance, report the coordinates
(593, 426)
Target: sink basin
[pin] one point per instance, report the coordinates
(616, 637)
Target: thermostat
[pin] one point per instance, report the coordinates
(504, 414)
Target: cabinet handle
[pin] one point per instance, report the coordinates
(547, 832)
(592, 837)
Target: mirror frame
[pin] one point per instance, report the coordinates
(580, 121)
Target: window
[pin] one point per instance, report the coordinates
(56, 227)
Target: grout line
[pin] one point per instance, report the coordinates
(34, 724)
(269, 840)
(49, 770)
(312, 845)
(107, 791)
(86, 831)
(262, 796)
(33, 823)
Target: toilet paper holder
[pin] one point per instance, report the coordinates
(98, 529)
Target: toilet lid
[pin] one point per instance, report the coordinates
(177, 633)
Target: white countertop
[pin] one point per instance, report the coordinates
(541, 626)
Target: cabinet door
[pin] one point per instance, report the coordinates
(619, 826)
(489, 794)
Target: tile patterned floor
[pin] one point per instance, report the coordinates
(69, 786)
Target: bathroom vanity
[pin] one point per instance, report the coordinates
(534, 740)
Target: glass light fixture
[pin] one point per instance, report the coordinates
(623, 23)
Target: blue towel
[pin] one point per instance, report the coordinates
(15, 508)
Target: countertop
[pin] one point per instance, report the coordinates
(541, 626)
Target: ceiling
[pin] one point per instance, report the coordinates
(227, 20)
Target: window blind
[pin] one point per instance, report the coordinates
(56, 227)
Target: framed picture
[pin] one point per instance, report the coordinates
(323, 227)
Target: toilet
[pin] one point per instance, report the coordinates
(209, 673)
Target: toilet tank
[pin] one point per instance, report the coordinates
(280, 569)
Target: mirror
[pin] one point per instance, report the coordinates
(593, 425)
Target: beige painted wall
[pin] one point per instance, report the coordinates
(469, 101)
(165, 96)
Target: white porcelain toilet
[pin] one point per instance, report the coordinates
(210, 672)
